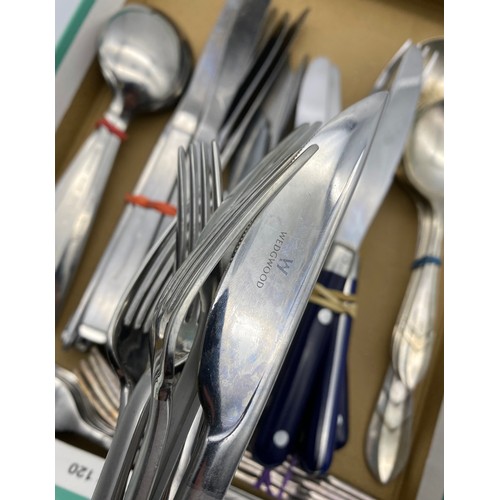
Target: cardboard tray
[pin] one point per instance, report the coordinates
(360, 36)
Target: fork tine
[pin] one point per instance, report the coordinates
(216, 176)
(199, 183)
(85, 407)
(95, 403)
(430, 61)
(206, 173)
(101, 398)
(159, 263)
(110, 390)
(166, 267)
(194, 186)
(183, 206)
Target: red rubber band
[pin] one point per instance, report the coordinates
(114, 130)
(142, 201)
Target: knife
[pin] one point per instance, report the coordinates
(319, 99)
(320, 93)
(318, 444)
(264, 292)
(320, 326)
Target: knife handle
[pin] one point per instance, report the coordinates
(279, 425)
(342, 427)
(326, 428)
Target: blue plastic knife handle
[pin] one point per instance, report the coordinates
(282, 420)
(317, 445)
(342, 429)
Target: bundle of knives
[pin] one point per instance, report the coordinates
(272, 275)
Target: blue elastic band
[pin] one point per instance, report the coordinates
(426, 259)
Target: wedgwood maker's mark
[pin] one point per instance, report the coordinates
(281, 263)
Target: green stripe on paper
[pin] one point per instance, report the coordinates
(72, 29)
(64, 494)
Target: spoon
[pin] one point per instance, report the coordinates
(423, 173)
(147, 63)
(388, 440)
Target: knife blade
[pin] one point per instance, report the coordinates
(264, 292)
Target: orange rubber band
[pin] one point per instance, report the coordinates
(142, 201)
(114, 130)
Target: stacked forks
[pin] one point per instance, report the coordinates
(87, 399)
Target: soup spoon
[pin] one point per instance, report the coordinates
(147, 63)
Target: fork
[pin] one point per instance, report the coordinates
(73, 414)
(199, 195)
(220, 234)
(265, 181)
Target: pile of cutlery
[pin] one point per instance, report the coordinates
(226, 324)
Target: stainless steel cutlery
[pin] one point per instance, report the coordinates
(318, 362)
(389, 435)
(224, 299)
(147, 62)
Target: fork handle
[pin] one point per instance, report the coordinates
(128, 433)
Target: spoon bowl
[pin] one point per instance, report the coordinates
(144, 58)
(433, 84)
(424, 156)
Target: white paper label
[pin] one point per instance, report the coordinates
(77, 472)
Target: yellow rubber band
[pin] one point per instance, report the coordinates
(334, 300)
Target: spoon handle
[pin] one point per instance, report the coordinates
(388, 439)
(135, 233)
(413, 333)
(78, 195)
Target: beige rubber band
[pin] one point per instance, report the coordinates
(334, 300)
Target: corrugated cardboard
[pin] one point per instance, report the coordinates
(360, 36)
